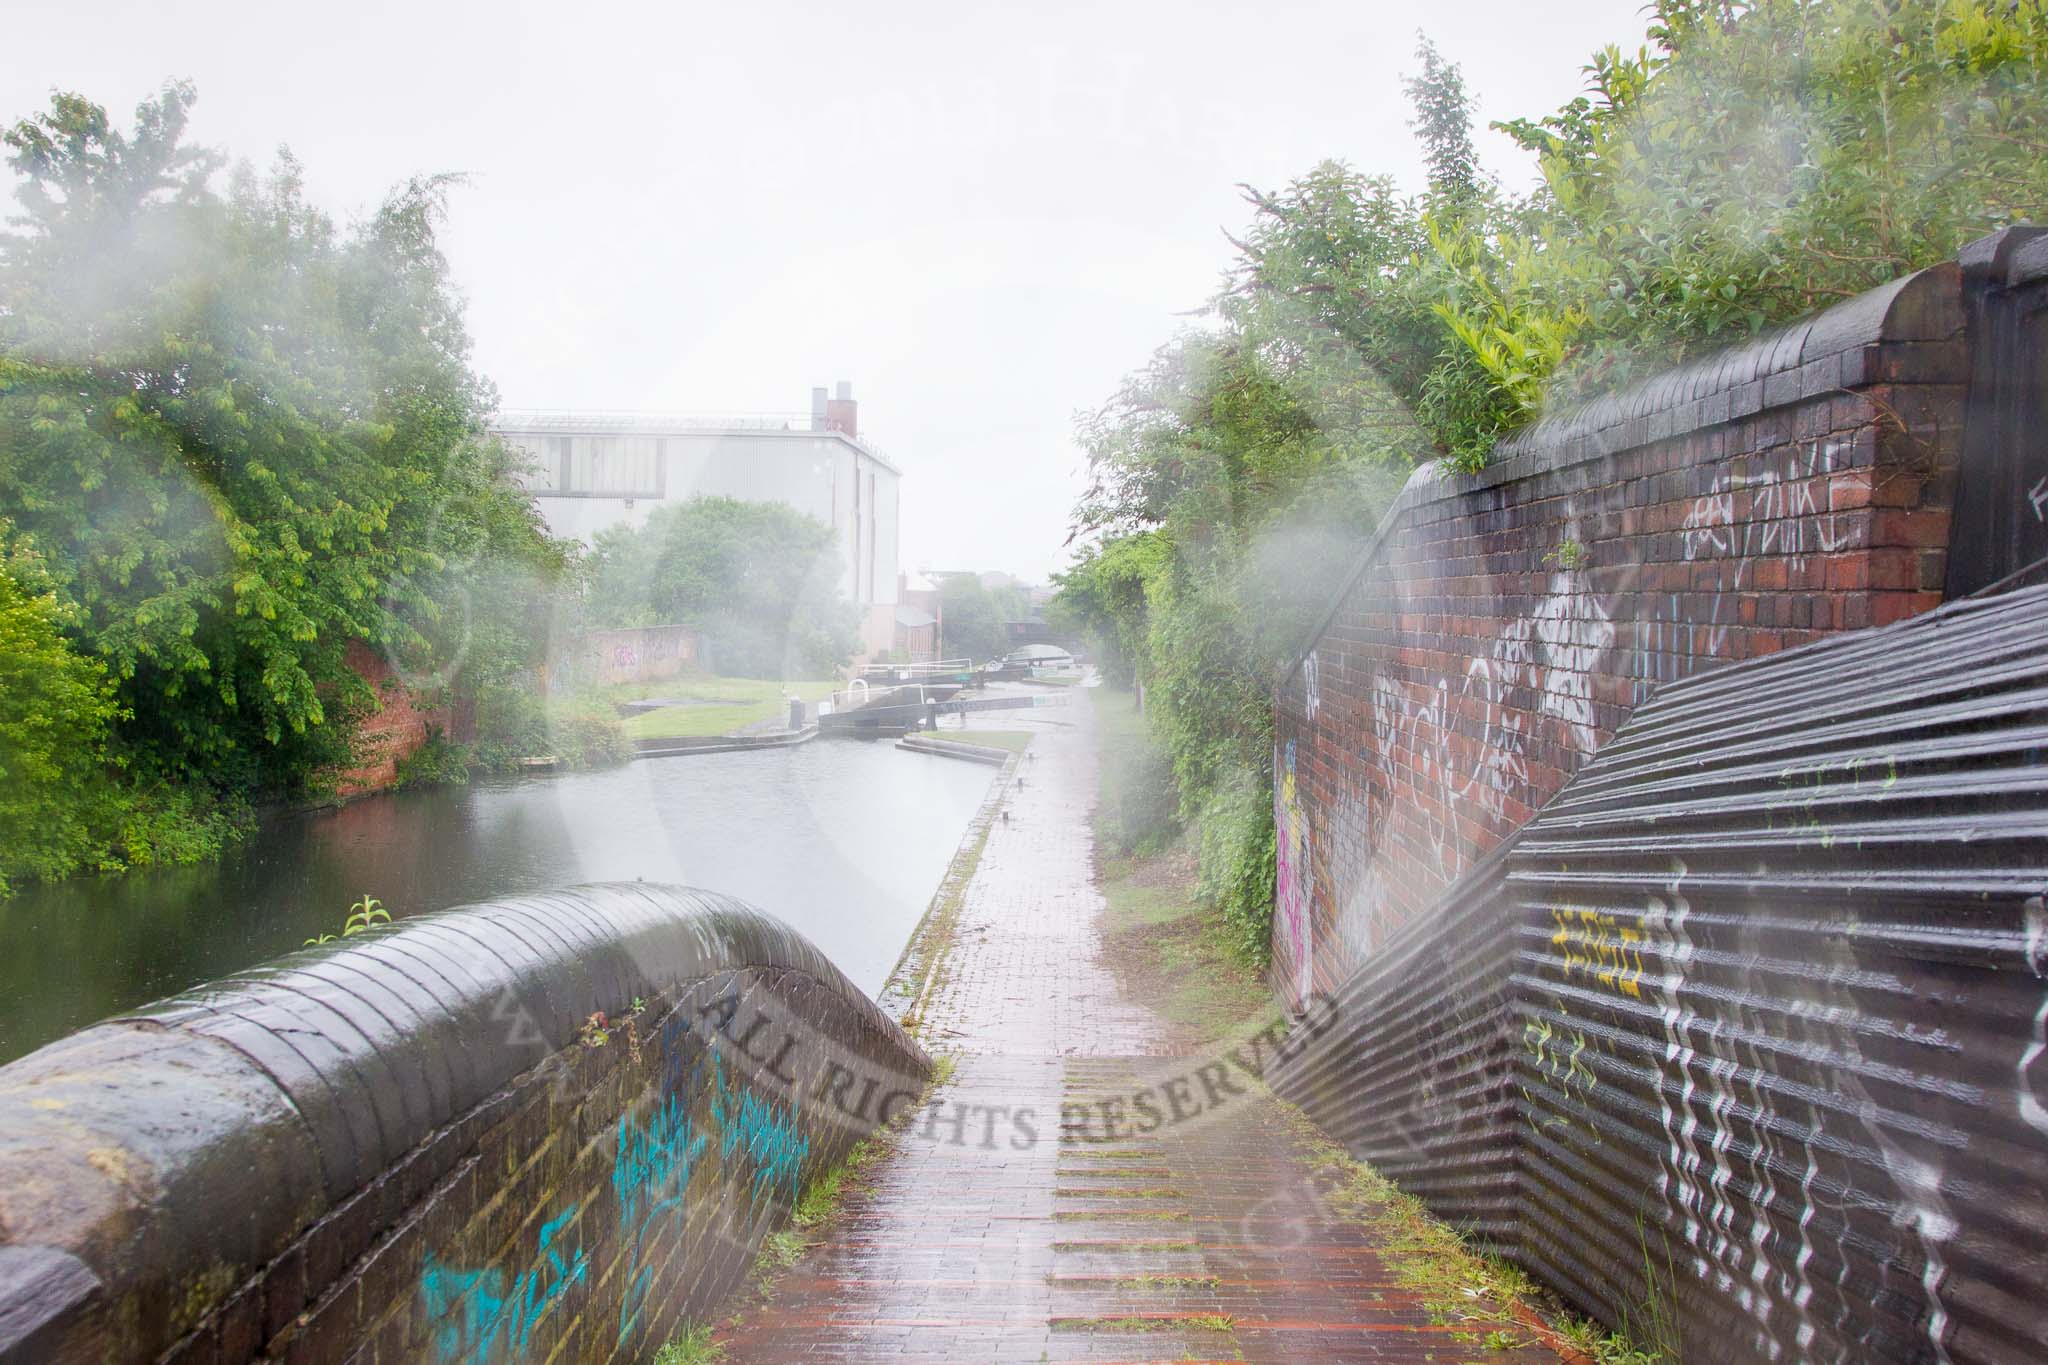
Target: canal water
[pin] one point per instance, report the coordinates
(844, 840)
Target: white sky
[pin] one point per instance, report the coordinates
(982, 216)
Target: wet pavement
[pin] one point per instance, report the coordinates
(997, 1231)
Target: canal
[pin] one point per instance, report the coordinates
(844, 840)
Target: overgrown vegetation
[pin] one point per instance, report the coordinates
(1484, 1299)
(236, 442)
(1751, 161)
(691, 1345)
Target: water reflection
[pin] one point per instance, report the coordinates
(844, 840)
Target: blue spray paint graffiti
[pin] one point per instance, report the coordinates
(489, 1313)
(766, 1134)
(651, 1176)
(651, 1172)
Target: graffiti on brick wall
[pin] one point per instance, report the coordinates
(1294, 874)
(764, 1133)
(651, 1177)
(1551, 655)
(1779, 511)
(1575, 631)
(476, 1315)
(644, 654)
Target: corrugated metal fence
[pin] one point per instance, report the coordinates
(1741, 1041)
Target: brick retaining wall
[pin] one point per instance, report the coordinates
(1501, 626)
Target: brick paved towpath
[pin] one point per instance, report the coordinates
(994, 1231)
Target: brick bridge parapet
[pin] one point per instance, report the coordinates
(546, 1127)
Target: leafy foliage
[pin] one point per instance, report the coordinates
(56, 708)
(760, 581)
(576, 731)
(242, 439)
(363, 916)
(1212, 533)
(1753, 161)
(1759, 159)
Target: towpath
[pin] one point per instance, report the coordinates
(995, 1231)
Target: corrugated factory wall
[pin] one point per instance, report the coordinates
(1741, 1041)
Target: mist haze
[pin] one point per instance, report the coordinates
(982, 218)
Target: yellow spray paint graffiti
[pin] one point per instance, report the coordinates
(1595, 945)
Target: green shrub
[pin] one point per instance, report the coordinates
(511, 724)
(164, 824)
(578, 731)
(437, 762)
(1236, 863)
(56, 707)
(586, 734)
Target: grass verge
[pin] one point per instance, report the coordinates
(712, 706)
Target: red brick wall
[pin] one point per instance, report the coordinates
(392, 733)
(1501, 626)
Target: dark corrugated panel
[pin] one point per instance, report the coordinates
(2001, 508)
(1768, 981)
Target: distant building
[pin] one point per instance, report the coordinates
(594, 471)
(920, 618)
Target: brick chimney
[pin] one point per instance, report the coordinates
(841, 412)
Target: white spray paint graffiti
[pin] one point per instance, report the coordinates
(1554, 655)
(1311, 686)
(1576, 631)
(1699, 1113)
(2036, 921)
(1774, 511)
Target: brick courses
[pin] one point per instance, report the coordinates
(1499, 627)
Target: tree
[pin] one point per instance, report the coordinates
(974, 619)
(759, 580)
(1443, 125)
(241, 439)
(55, 710)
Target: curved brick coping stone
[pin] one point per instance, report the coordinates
(415, 1140)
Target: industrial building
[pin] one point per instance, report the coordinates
(594, 471)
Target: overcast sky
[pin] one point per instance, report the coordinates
(982, 216)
